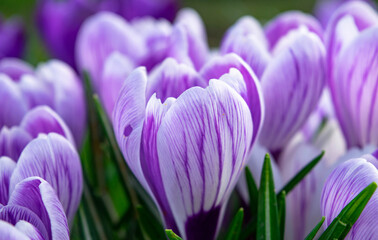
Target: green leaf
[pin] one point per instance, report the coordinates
(236, 225)
(301, 174)
(267, 213)
(281, 201)
(171, 235)
(253, 192)
(150, 226)
(342, 224)
(314, 231)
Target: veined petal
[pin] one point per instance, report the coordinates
(43, 119)
(291, 20)
(15, 68)
(9, 232)
(68, 98)
(128, 117)
(203, 142)
(292, 85)
(53, 158)
(13, 141)
(102, 34)
(171, 78)
(117, 68)
(29, 230)
(43, 201)
(342, 185)
(7, 166)
(221, 65)
(193, 21)
(12, 105)
(35, 92)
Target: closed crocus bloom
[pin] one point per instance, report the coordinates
(343, 184)
(285, 22)
(354, 89)
(188, 151)
(39, 216)
(292, 85)
(12, 39)
(53, 84)
(38, 120)
(51, 157)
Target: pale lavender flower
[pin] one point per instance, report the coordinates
(343, 184)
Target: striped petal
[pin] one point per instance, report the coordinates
(221, 65)
(54, 159)
(99, 36)
(342, 185)
(9, 232)
(15, 68)
(43, 201)
(292, 85)
(193, 21)
(354, 90)
(171, 78)
(291, 20)
(202, 144)
(13, 141)
(29, 230)
(12, 105)
(7, 166)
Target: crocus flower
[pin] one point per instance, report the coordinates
(343, 184)
(289, 63)
(12, 39)
(59, 21)
(53, 84)
(188, 151)
(40, 215)
(51, 157)
(353, 77)
(143, 42)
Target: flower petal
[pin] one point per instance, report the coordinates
(15, 68)
(193, 21)
(171, 78)
(342, 185)
(54, 159)
(43, 201)
(9, 232)
(13, 141)
(291, 20)
(29, 230)
(292, 85)
(7, 166)
(203, 142)
(221, 65)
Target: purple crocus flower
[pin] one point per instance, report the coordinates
(188, 151)
(39, 216)
(59, 21)
(51, 157)
(53, 84)
(353, 46)
(12, 39)
(343, 184)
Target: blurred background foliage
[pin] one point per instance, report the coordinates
(217, 15)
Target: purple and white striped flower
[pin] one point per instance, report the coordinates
(12, 41)
(188, 151)
(352, 46)
(53, 84)
(33, 212)
(343, 184)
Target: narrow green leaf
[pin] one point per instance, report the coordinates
(253, 192)
(281, 201)
(150, 225)
(171, 235)
(301, 174)
(342, 224)
(267, 213)
(236, 225)
(314, 231)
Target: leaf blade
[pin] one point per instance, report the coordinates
(315, 230)
(236, 225)
(171, 235)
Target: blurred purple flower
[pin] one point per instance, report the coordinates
(59, 21)
(343, 184)
(38, 216)
(201, 134)
(12, 41)
(53, 84)
(51, 157)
